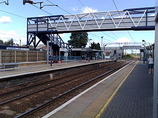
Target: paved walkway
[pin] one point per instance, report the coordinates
(134, 98)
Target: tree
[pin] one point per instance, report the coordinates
(78, 39)
(10, 42)
(95, 46)
(1, 42)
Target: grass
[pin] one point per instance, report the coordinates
(130, 56)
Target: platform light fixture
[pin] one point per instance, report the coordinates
(101, 44)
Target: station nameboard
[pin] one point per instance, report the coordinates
(133, 47)
(13, 47)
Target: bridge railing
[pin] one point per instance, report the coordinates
(140, 18)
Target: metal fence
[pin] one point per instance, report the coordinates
(64, 58)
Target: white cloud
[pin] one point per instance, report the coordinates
(84, 9)
(88, 10)
(7, 35)
(119, 42)
(5, 19)
(75, 8)
(123, 39)
(63, 35)
(41, 15)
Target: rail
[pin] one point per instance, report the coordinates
(32, 110)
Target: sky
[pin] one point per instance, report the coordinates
(13, 18)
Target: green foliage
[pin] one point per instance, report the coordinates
(95, 46)
(130, 56)
(1, 42)
(78, 39)
(10, 42)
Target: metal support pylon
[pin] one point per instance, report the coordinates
(155, 83)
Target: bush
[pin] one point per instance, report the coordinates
(130, 56)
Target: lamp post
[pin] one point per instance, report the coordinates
(144, 54)
(89, 50)
(101, 43)
(89, 42)
(104, 51)
(20, 42)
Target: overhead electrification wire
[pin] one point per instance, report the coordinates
(59, 7)
(102, 32)
(42, 9)
(72, 14)
(22, 16)
(66, 12)
(123, 22)
(13, 14)
(99, 36)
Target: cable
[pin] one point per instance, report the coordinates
(123, 22)
(65, 11)
(83, 5)
(98, 36)
(41, 9)
(13, 14)
(71, 14)
(60, 7)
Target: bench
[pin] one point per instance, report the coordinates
(9, 65)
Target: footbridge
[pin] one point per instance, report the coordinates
(129, 19)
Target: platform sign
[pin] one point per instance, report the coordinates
(132, 47)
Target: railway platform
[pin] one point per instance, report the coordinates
(125, 94)
(33, 68)
(134, 99)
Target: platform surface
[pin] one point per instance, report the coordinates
(25, 70)
(134, 99)
(124, 94)
(90, 103)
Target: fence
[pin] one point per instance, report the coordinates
(56, 58)
(11, 56)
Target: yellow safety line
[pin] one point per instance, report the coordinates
(112, 96)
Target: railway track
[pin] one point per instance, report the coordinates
(38, 98)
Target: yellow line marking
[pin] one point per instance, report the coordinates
(112, 96)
